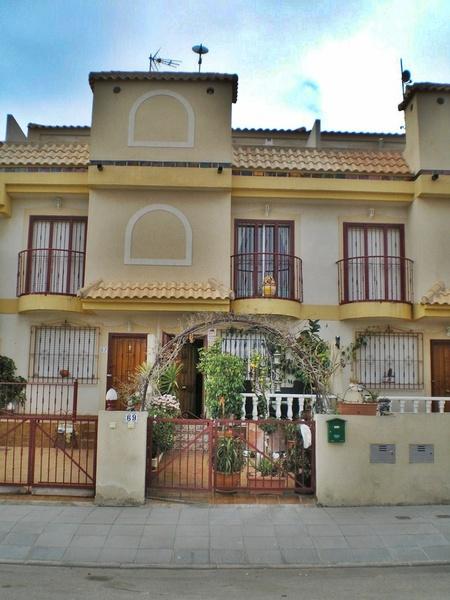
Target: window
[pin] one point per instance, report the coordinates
(244, 344)
(391, 360)
(374, 262)
(64, 352)
(56, 250)
(264, 248)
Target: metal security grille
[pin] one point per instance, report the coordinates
(390, 360)
(244, 344)
(64, 352)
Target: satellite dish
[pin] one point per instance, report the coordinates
(200, 49)
(406, 76)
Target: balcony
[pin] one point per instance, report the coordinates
(50, 271)
(375, 279)
(249, 271)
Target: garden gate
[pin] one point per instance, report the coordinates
(270, 456)
(44, 443)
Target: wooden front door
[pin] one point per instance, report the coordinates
(126, 351)
(190, 380)
(440, 369)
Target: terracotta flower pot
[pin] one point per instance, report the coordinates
(226, 482)
(270, 482)
(354, 408)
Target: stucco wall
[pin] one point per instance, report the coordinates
(208, 214)
(427, 126)
(211, 112)
(428, 230)
(121, 458)
(345, 477)
(14, 231)
(318, 236)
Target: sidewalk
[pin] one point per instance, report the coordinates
(178, 535)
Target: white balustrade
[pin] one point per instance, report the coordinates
(415, 404)
(276, 401)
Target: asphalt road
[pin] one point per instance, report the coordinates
(22, 582)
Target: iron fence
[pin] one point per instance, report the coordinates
(50, 271)
(249, 271)
(39, 398)
(228, 455)
(375, 278)
(48, 451)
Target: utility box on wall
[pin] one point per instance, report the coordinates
(336, 431)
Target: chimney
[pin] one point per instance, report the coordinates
(13, 131)
(313, 140)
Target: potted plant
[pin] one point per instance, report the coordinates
(269, 288)
(358, 400)
(228, 462)
(267, 474)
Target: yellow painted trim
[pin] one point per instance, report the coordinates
(53, 303)
(323, 189)
(421, 311)
(425, 186)
(369, 310)
(159, 177)
(8, 306)
(18, 182)
(266, 306)
(5, 202)
(157, 305)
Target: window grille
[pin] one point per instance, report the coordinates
(244, 344)
(64, 352)
(390, 360)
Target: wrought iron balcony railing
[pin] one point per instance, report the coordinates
(375, 279)
(267, 275)
(50, 271)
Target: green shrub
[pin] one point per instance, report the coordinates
(229, 454)
(224, 382)
(10, 393)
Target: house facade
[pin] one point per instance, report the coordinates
(113, 236)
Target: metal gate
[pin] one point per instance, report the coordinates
(270, 455)
(48, 451)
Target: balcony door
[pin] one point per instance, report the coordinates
(263, 248)
(374, 268)
(56, 251)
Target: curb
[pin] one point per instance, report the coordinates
(216, 567)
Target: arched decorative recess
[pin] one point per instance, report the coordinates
(184, 143)
(186, 261)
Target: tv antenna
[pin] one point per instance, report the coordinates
(200, 49)
(156, 61)
(406, 77)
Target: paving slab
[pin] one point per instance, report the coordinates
(189, 536)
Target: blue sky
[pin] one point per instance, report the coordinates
(297, 60)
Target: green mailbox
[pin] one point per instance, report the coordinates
(336, 431)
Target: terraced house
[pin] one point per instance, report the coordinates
(113, 233)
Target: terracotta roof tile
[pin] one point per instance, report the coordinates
(65, 155)
(311, 160)
(163, 76)
(244, 157)
(164, 290)
(437, 294)
(41, 126)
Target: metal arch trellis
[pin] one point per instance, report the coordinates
(306, 356)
